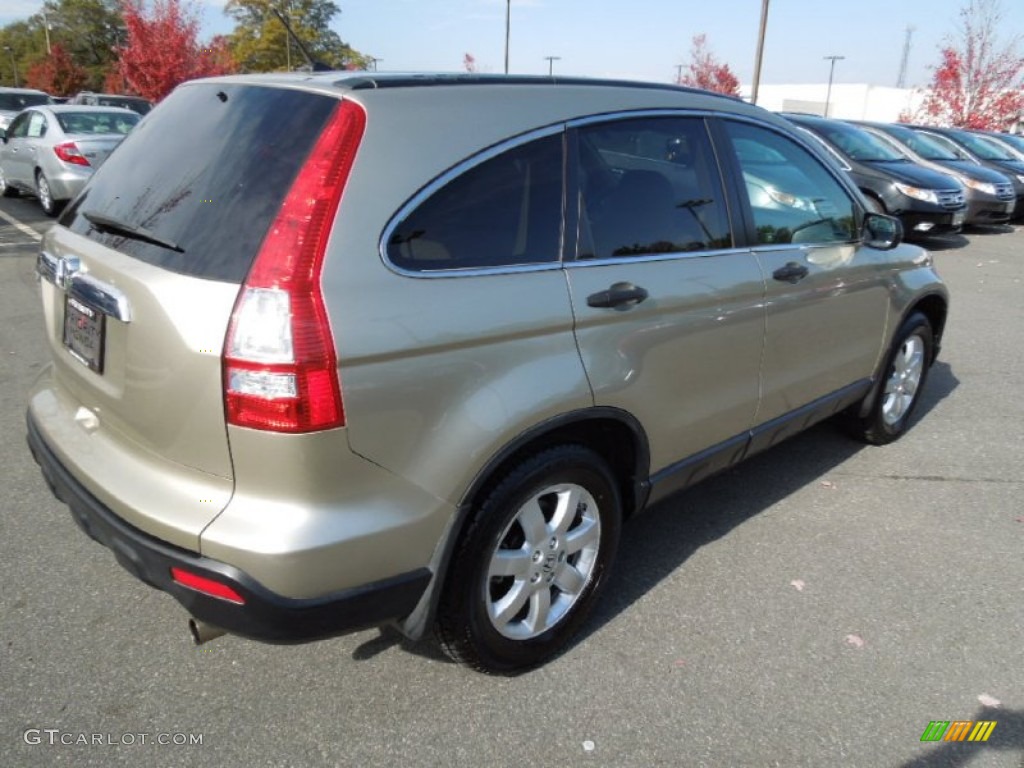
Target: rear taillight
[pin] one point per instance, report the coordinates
(280, 368)
(206, 586)
(70, 153)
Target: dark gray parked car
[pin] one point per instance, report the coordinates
(990, 195)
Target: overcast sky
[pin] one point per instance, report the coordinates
(643, 39)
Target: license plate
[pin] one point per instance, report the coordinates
(83, 333)
(958, 218)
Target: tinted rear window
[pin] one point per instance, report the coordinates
(207, 171)
(97, 122)
(15, 102)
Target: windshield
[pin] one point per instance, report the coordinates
(1017, 142)
(859, 144)
(15, 102)
(984, 148)
(97, 122)
(921, 144)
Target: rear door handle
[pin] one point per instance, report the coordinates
(618, 295)
(791, 273)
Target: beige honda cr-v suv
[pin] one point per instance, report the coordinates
(339, 350)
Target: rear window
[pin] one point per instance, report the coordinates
(207, 172)
(97, 122)
(15, 102)
(138, 105)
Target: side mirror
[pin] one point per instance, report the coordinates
(881, 231)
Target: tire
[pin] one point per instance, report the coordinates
(44, 193)
(903, 379)
(6, 190)
(533, 552)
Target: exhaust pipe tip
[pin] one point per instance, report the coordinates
(202, 632)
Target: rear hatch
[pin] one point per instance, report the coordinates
(141, 277)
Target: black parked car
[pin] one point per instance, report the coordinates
(990, 194)
(980, 149)
(926, 201)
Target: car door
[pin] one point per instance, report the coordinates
(15, 151)
(668, 312)
(826, 294)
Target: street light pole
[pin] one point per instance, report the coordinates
(760, 52)
(831, 72)
(551, 63)
(46, 30)
(14, 65)
(508, 29)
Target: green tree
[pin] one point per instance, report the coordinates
(260, 42)
(19, 37)
(89, 30)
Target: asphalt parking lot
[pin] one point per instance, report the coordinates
(818, 606)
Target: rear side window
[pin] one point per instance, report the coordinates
(649, 186)
(504, 211)
(792, 196)
(206, 172)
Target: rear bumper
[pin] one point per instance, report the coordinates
(264, 615)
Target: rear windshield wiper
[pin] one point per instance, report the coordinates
(117, 227)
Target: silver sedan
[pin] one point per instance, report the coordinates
(51, 151)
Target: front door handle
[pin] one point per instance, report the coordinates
(618, 295)
(791, 273)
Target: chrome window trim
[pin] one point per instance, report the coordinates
(655, 257)
(450, 175)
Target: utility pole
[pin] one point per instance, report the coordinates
(373, 62)
(508, 29)
(901, 81)
(551, 63)
(760, 52)
(679, 74)
(46, 30)
(831, 72)
(14, 65)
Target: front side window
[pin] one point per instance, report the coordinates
(649, 186)
(505, 211)
(19, 127)
(793, 198)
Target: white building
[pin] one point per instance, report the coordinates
(849, 101)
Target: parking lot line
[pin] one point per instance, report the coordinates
(20, 226)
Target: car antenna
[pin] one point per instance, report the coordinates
(314, 65)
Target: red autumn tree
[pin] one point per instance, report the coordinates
(705, 71)
(57, 74)
(162, 49)
(980, 81)
(469, 62)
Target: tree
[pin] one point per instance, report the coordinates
(57, 74)
(980, 81)
(705, 71)
(89, 30)
(469, 63)
(162, 50)
(260, 42)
